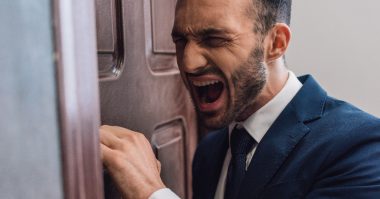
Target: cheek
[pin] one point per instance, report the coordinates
(225, 62)
(231, 92)
(229, 59)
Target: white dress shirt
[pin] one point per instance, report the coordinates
(256, 125)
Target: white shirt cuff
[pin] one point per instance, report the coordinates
(164, 193)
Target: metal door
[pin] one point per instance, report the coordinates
(140, 85)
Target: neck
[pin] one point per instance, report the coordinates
(276, 80)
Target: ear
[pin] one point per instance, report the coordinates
(277, 41)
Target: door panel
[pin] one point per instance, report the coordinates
(168, 143)
(160, 15)
(149, 95)
(109, 23)
(162, 21)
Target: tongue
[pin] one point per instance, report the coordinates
(211, 93)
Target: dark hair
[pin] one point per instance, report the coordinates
(268, 12)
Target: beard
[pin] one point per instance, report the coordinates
(248, 80)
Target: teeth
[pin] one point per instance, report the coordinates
(204, 83)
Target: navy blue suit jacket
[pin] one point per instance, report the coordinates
(318, 147)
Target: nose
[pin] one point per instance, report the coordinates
(193, 58)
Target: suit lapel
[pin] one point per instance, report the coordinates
(213, 164)
(276, 145)
(282, 137)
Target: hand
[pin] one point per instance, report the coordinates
(129, 158)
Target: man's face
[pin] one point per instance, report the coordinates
(220, 57)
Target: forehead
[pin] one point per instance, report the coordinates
(219, 14)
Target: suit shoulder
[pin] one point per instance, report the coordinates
(342, 119)
(344, 130)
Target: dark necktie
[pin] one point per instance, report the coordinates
(240, 143)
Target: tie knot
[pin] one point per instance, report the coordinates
(241, 142)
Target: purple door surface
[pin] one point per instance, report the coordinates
(140, 85)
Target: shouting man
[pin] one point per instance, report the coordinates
(276, 135)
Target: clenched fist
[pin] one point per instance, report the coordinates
(130, 160)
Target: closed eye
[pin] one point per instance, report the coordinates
(215, 41)
(179, 40)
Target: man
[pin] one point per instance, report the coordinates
(275, 136)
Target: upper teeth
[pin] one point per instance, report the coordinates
(204, 83)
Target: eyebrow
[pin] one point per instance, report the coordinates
(201, 33)
(211, 31)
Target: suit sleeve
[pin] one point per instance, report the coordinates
(353, 173)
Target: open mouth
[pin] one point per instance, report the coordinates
(208, 92)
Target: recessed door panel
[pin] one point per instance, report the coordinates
(161, 57)
(162, 21)
(109, 23)
(168, 142)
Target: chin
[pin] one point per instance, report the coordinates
(215, 120)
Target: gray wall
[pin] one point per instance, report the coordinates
(338, 41)
(29, 132)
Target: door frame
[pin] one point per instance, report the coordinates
(78, 96)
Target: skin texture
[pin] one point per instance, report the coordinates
(214, 41)
(129, 158)
(212, 35)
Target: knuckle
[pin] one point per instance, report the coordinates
(137, 137)
(104, 126)
(118, 161)
(121, 145)
(125, 147)
(140, 136)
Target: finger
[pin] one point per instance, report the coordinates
(107, 138)
(105, 153)
(119, 132)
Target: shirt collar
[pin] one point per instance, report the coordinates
(259, 122)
